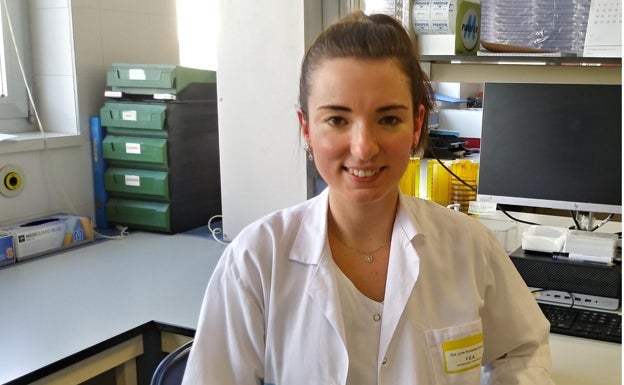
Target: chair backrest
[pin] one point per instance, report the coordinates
(171, 369)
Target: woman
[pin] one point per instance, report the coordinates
(361, 284)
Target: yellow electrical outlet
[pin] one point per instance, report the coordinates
(11, 180)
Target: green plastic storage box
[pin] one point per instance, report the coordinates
(134, 213)
(134, 150)
(145, 116)
(149, 79)
(138, 183)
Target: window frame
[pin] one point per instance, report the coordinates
(15, 110)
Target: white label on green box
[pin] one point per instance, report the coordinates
(133, 148)
(136, 74)
(133, 180)
(129, 115)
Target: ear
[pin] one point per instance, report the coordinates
(303, 126)
(419, 118)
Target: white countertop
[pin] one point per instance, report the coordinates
(55, 306)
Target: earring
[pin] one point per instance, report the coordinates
(308, 149)
(415, 152)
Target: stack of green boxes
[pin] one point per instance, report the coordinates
(161, 147)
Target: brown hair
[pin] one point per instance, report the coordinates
(375, 36)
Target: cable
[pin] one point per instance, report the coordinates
(216, 230)
(123, 233)
(572, 302)
(471, 187)
(603, 222)
(516, 219)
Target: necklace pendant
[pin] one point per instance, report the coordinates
(369, 258)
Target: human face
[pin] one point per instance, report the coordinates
(361, 126)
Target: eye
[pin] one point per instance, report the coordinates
(336, 121)
(390, 120)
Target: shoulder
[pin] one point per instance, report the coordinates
(276, 235)
(277, 224)
(432, 213)
(435, 221)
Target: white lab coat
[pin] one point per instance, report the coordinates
(271, 312)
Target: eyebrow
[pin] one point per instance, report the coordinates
(389, 107)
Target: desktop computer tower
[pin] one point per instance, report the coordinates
(596, 281)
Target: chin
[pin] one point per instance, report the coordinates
(372, 195)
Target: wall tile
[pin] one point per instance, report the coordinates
(125, 37)
(164, 7)
(163, 34)
(94, 4)
(140, 6)
(87, 34)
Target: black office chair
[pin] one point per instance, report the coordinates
(171, 369)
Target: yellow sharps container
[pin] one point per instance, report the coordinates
(410, 181)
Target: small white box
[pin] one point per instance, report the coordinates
(591, 244)
(544, 239)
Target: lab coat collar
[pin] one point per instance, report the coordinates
(311, 240)
(403, 270)
(312, 247)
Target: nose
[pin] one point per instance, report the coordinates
(364, 143)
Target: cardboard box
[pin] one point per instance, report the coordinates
(7, 251)
(49, 234)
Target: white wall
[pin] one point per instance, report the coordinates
(261, 154)
(74, 43)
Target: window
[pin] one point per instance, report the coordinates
(14, 40)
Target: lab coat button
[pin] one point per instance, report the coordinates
(376, 317)
(385, 361)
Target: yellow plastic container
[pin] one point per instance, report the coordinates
(410, 181)
(438, 180)
(462, 193)
(443, 188)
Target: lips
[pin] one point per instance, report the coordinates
(363, 173)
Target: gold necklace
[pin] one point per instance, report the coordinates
(368, 256)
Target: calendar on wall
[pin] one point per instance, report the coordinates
(604, 29)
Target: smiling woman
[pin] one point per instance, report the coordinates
(363, 284)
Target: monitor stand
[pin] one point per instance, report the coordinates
(585, 220)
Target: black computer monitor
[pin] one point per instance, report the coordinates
(556, 146)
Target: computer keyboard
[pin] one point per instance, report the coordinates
(578, 322)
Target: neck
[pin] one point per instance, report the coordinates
(366, 225)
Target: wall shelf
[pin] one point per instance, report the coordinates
(479, 69)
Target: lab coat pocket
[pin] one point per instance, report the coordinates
(456, 353)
